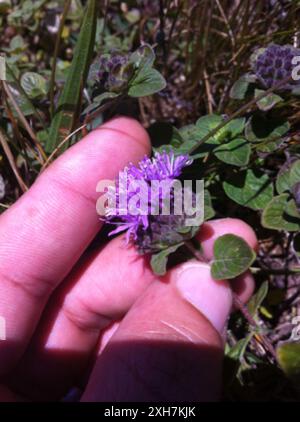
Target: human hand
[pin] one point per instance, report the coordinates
(101, 320)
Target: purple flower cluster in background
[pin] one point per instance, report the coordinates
(113, 72)
(274, 64)
(146, 230)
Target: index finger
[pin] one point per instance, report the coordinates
(44, 233)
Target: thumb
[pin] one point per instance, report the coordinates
(169, 346)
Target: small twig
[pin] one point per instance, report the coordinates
(63, 142)
(195, 251)
(23, 120)
(11, 161)
(210, 100)
(275, 271)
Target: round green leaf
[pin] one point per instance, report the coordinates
(278, 214)
(232, 257)
(236, 152)
(288, 355)
(268, 102)
(261, 128)
(250, 189)
(34, 85)
(159, 260)
(146, 82)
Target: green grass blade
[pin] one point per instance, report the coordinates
(65, 115)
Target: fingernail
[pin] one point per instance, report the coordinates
(212, 298)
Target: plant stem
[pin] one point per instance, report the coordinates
(238, 113)
(197, 254)
(244, 310)
(55, 54)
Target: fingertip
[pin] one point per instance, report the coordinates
(213, 229)
(126, 126)
(212, 298)
(243, 286)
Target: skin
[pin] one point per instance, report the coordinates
(102, 321)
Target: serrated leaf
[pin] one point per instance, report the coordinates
(276, 215)
(250, 189)
(64, 118)
(236, 152)
(159, 260)
(232, 257)
(288, 355)
(268, 102)
(258, 298)
(148, 81)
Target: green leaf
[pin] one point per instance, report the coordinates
(64, 118)
(295, 173)
(159, 260)
(146, 82)
(34, 85)
(260, 128)
(234, 358)
(283, 180)
(232, 257)
(288, 177)
(191, 134)
(143, 56)
(238, 350)
(258, 298)
(250, 189)
(241, 88)
(209, 212)
(236, 127)
(269, 145)
(236, 152)
(97, 101)
(276, 214)
(208, 123)
(268, 102)
(288, 355)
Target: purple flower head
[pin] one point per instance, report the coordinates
(147, 229)
(112, 72)
(274, 64)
